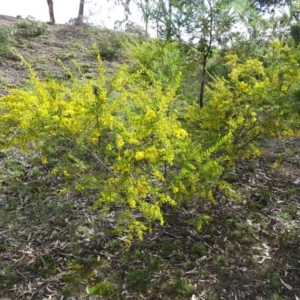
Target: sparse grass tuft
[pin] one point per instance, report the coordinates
(221, 260)
(10, 277)
(182, 287)
(291, 209)
(103, 289)
(288, 193)
(265, 195)
(276, 296)
(275, 283)
(168, 247)
(252, 261)
(199, 249)
(138, 280)
(155, 264)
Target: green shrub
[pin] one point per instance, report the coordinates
(23, 23)
(31, 28)
(6, 39)
(110, 46)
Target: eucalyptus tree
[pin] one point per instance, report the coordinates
(291, 9)
(252, 40)
(284, 17)
(262, 21)
(146, 9)
(79, 19)
(51, 11)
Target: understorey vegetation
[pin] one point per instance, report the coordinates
(130, 139)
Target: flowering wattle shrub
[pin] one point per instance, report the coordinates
(120, 137)
(258, 99)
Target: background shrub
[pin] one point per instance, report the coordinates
(6, 39)
(110, 46)
(29, 28)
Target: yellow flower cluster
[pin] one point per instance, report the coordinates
(150, 114)
(140, 155)
(119, 142)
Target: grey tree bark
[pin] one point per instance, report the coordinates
(79, 19)
(51, 11)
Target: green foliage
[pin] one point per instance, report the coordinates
(196, 21)
(155, 264)
(198, 26)
(31, 28)
(46, 262)
(265, 196)
(6, 39)
(248, 101)
(276, 296)
(201, 220)
(243, 233)
(23, 23)
(295, 33)
(291, 209)
(67, 55)
(163, 60)
(289, 233)
(104, 289)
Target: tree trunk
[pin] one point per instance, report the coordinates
(202, 82)
(167, 15)
(79, 19)
(51, 11)
(206, 54)
(146, 14)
